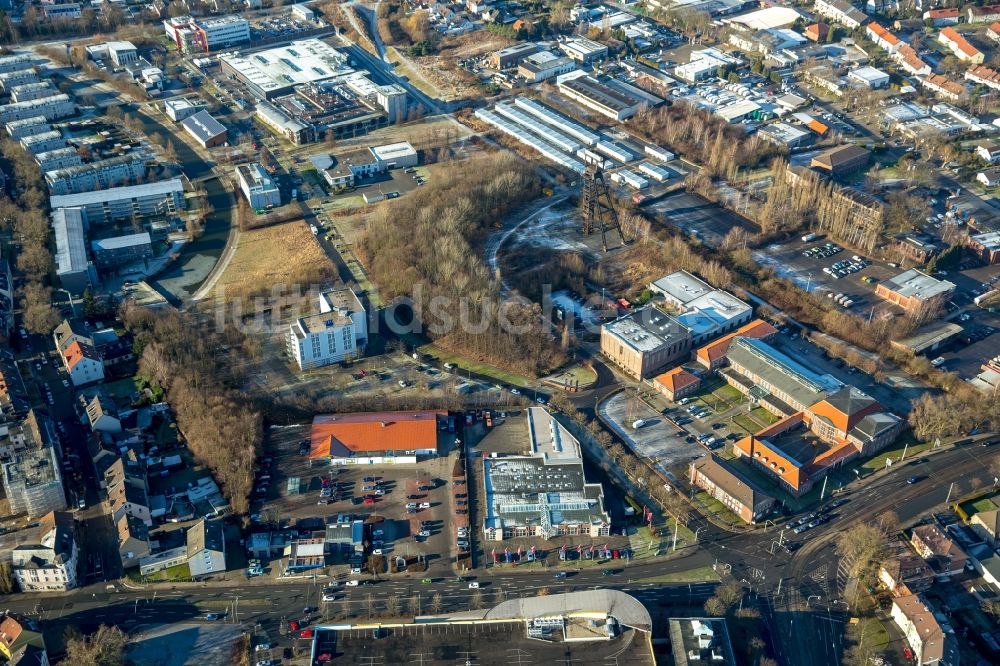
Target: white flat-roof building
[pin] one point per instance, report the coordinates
(338, 331)
(680, 288)
(276, 71)
(164, 197)
(50, 108)
(303, 12)
(584, 50)
(204, 35)
(29, 91)
(395, 155)
(181, 108)
(40, 143)
(60, 158)
(18, 129)
(16, 78)
(122, 53)
(706, 312)
(96, 175)
(869, 77)
(74, 270)
(13, 63)
(258, 187)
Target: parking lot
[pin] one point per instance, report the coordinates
(816, 273)
(293, 488)
(697, 217)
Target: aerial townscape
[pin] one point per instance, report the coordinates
(499, 333)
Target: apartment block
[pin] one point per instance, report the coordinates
(131, 202)
(338, 331)
(98, 175)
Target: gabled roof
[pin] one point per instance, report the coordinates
(731, 481)
(845, 408)
(676, 379)
(345, 434)
(718, 348)
(206, 535)
(78, 351)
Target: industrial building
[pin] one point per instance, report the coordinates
(18, 129)
(32, 482)
(257, 186)
(74, 270)
(583, 50)
(51, 108)
(126, 203)
(29, 91)
(543, 66)
(121, 250)
(181, 108)
(60, 158)
(97, 175)
(842, 160)
(546, 149)
(560, 122)
(208, 34)
(205, 129)
(705, 311)
(915, 291)
(605, 98)
(644, 341)
(376, 438)
(273, 72)
(713, 355)
(338, 331)
(291, 129)
(513, 55)
(986, 246)
(544, 493)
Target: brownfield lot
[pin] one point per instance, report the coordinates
(398, 481)
(285, 254)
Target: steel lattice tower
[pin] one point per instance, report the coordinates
(598, 211)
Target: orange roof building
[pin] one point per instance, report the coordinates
(373, 436)
(960, 46)
(713, 354)
(83, 363)
(677, 383)
(818, 127)
(883, 38)
(817, 32)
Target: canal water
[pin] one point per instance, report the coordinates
(182, 278)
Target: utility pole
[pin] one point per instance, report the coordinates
(950, 488)
(822, 493)
(904, 452)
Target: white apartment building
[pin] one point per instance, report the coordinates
(18, 77)
(50, 564)
(40, 143)
(204, 35)
(26, 92)
(257, 186)
(60, 158)
(339, 331)
(33, 483)
(164, 197)
(51, 108)
(14, 63)
(96, 175)
(18, 129)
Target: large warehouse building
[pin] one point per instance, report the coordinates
(544, 493)
(613, 99)
(376, 438)
(276, 71)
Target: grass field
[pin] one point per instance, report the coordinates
(462, 363)
(285, 254)
(700, 575)
(717, 508)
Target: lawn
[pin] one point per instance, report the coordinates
(346, 201)
(746, 423)
(980, 505)
(915, 449)
(700, 575)
(174, 574)
(283, 254)
(121, 388)
(717, 508)
(461, 363)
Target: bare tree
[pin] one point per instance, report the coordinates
(476, 600)
(435, 604)
(369, 604)
(393, 605)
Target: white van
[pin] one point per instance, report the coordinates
(639, 423)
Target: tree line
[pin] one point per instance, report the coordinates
(426, 246)
(221, 425)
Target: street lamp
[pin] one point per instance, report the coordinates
(811, 597)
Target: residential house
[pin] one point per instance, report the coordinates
(726, 483)
(988, 151)
(884, 39)
(984, 75)
(905, 573)
(18, 632)
(840, 11)
(127, 489)
(133, 540)
(908, 59)
(943, 16)
(989, 177)
(83, 364)
(102, 414)
(960, 46)
(206, 548)
(983, 14)
(924, 633)
(49, 564)
(943, 87)
(676, 384)
(986, 524)
(817, 32)
(941, 553)
(993, 32)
